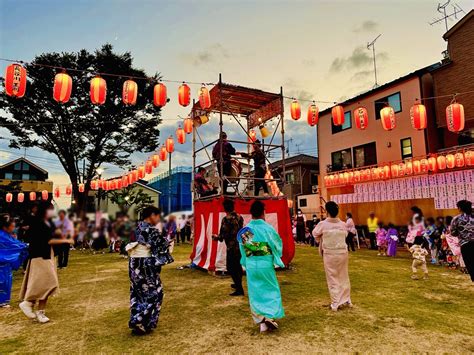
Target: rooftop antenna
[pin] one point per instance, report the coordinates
(369, 46)
(442, 10)
(298, 147)
(287, 142)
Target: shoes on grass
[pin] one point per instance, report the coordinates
(237, 293)
(234, 286)
(41, 317)
(271, 324)
(27, 308)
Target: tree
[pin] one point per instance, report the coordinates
(130, 196)
(79, 130)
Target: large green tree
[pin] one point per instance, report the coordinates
(79, 130)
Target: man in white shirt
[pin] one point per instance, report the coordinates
(181, 233)
(351, 232)
(66, 228)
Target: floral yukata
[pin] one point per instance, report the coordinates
(261, 248)
(149, 254)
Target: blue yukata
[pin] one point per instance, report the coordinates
(12, 254)
(261, 249)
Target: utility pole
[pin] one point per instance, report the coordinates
(371, 45)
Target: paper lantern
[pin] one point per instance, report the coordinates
(119, 183)
(326, 181)
(401, 169)
(459, 160)
(351, 177)
(15, 81)
(264, 132)
(424, 166)
(450, 161)
(80, 187)
(346, 178)
(94, 184)
(163, 153)
(62, 87)
(68, 190)
(416, 167)
(469, 157)
(395, 170)
(361, 118)
(455, 117)
(188, 125)
(9, 197)
(313, 115)
(44, 195)
(160, 96)
(20, 197)
(441, 161)
(57, 192)
(141, 171)
(98, 90)
(418, 116)
(155, 160)
(408, 168)
(169, 145)
(184, 95)
(204, 98)
(432, 164)
(252, 136)
(295, 110)
(129, 92)
(180, 136)
(125, 181)
(357, 176)
(337, 114)
(32, 196)
(387, 117)
(148, 167)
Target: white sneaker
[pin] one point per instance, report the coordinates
(334, 308)
(27, 308)
(41, 317)
(263, 327)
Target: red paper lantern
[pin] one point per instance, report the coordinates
(337, 114)
(21, 197)
(69, 190)
(181, 135)
(57, 192)
(252, 136)
(204, 98)
(441, 161)
(387, 117)
(361, 118)
(395, 170)
(295, 110)
(455, 117)
(416, 167)
(469, 157)
(98, 90)
(125, 181)
(32, 196)
(141, 171)
(169, 145)
(459, 160)
(44, 195)
(326, 181)
(94, 184)
(401, 169)
(163, 153)
(81, 187)
(450, 161)
(129, 92)
(119, 183)
(160, 96)
(346, 178)
(424, 165)
(418, 116)
(62, 87)
(155, 160)
(184, 95)
(9, 197)
(351, 177)
(313, 115)
(148, 167)
(432, 164)
(408, 168)
(15, 80)
(357, 176)
(188, 125)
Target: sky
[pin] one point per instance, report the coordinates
(313, 49)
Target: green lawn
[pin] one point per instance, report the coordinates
(392, 313)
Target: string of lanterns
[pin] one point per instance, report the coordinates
(391, 170)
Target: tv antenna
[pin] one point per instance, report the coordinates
(442, 10)
(287, 142)
(371, 45)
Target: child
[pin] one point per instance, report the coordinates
(418, 253)
(431, 236)
(392, 239)
(381, 235)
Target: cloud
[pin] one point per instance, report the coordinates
(360, 58)
(208, 55)
(363, 74)
(366, 26)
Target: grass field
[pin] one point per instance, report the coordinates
(392, 313)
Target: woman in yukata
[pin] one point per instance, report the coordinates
(261, 249)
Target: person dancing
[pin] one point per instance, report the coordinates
(261, 248)
(147, 255)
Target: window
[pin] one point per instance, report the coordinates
(9, 176)
(341, 160)
(303, 202)
(290, 177)
(25, 176)
(405, 145)
(365, 155)
(314, 178)
(17, 166)
(26, 166)
(394, 100)
(346, 125)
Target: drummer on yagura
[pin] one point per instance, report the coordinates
(227, 151)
